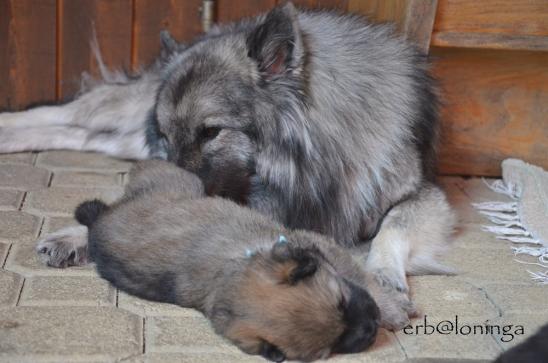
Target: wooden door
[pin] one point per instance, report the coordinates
(45, 44)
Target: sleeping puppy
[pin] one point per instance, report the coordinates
(279, 293)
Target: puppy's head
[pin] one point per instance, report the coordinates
(291, 304)
(222, 97)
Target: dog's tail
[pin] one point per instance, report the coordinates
(88, 212)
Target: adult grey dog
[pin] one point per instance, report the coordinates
(320, 120)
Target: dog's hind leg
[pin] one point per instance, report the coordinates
(411, 238)
(131, 145)
(42, 116)
(41, 138)
(110, 118)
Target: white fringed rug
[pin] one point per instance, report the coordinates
(523, 221)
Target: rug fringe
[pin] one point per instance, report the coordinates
(508, 226)
(541, 277)
(497, 206)
(501, 187)
(533, 251)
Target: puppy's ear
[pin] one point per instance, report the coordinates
(271, 352)
(276, 44)
(295, 263)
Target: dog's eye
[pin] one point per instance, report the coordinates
(209, 133)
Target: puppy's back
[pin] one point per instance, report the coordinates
(124, 235)
(162, 177)
(147, 177)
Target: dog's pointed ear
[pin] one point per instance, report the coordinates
(296, 263)
(276, 44)
(168, 45)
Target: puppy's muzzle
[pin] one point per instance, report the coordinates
(362, 317)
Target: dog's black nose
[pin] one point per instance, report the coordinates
(272, 353)
(362, 317)
(356, 338)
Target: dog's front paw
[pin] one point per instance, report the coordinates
(391, 279)
(66, 247)
(391, 295)
(397, 310)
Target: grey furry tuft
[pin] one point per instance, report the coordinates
(88, 212)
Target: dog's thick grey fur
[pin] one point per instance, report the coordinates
(272, 291)
(320, 120)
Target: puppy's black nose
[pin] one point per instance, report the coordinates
(357, 338)
(361, 316)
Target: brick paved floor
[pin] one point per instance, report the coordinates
(52, 315)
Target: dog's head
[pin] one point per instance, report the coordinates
(290, 303)
(222, 94)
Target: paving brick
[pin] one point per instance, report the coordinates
(49, 358)
(149, 308)
(4, 247)
(465, 345)
(530, 323)
(16, 226)
(67, 291)
(470, 235)
(24, 260)
(17, 158)
(386, 349)
(489, 265)
(521, 299)
(52, 224)
(10, 285)
(442, 296)
(67, 332)
(86, 179)
(23, 177)
(10, 199)
(196, 357)
(81, 161)
(63, 200)
(177, 334)
(443, 360)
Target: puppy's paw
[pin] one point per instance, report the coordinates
(66, 247)
(397, 310)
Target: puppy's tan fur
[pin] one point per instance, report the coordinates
(301, 299)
